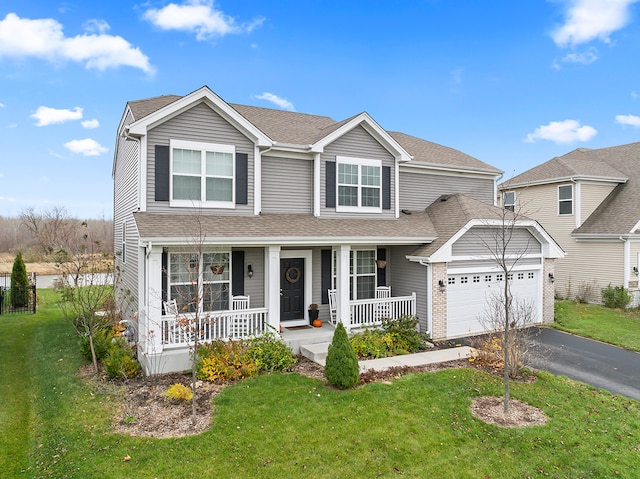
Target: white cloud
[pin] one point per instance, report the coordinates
(198, 16)
(96, 26)
(567, 131)
(44, 39)
(275, 99)
(86, 147)
(586, 20)
(89, 124)
(51, 116)
(630, 120)
(584, 58)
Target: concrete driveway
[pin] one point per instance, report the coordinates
(592, 362)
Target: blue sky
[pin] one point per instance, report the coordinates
(512, 83)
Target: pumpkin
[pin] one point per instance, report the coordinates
(317, 323)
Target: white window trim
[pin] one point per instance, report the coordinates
(509, 206)
(203, 148)
(353, 263)
(573, 203)
(359, 162)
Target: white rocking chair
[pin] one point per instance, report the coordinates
(332, 306)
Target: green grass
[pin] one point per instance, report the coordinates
(286, 425)
(613, 326)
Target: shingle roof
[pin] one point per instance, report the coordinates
(620, 211)
(284, 228)
(306, 129)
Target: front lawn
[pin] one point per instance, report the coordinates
(613, 326)
(287, 425)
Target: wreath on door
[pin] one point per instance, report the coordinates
(292, 274)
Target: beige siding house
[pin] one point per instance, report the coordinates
(240, 217)
(589, 202)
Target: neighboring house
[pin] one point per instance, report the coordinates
(282, 207)
(589, 201)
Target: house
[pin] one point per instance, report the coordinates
(589, 201)
(217, 201)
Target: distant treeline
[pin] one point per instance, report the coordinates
(40, 235)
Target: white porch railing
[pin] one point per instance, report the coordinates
(371, 312)
(211, 326)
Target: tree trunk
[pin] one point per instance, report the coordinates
(94, 358)
(505, 345)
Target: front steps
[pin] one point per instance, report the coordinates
(316, 352)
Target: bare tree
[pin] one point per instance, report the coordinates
(52, 229)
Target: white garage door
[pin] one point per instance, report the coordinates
(468, 296)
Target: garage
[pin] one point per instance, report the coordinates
(469, 293)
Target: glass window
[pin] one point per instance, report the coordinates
(359, 184)
(565, 200)
(509, 200)
(362, 273)
(202, 174)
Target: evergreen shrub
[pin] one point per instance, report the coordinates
(341, 368)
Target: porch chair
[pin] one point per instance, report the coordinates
(239, 326)
(383, 309)
(332, 306)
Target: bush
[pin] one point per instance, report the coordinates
(120, 362)
(616, 297)
(341, 368)
(372, 343)
(180, 392)
(396, 336)
(270, 353)
(102, 344)
(19, 283)
(225, 361)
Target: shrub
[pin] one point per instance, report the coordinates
(19, 283)
(404, 333)
(341, 368)
(372, 343)
(120, 362)
(616, 297)
(102, 344)
(180, 392)
(225, 361)
(270, 353)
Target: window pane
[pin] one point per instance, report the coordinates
(509, 198)
(219, 164)
(347, 174)
(219, 189)
(186, 161)
(186, 187)
(365, 262)
(182, 268)
(186, 297)
(565, 207)
(371, 197)
(370, 175)
(366, 287)
(220, 263)
(348, 196)
(565, 192)
(216, 297)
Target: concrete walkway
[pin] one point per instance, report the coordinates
(416, 359)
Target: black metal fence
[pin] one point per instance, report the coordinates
(7, 306)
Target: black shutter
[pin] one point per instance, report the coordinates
(330, 189)
(165, 278)
(237, 273)
(386, 187)
(242, 178)
(381, 273)
(325, 281)
(162, 173)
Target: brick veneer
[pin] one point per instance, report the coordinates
(438, 301)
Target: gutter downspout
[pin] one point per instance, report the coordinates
(626, 258)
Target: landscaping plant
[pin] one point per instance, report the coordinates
(341, 368)
(616, 297)
(19, 283)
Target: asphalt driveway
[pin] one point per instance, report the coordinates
(592, 362)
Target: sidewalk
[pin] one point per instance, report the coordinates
(417, 359)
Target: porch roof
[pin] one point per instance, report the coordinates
(416, 228)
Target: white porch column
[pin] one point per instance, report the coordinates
(153, 341)
(343, 308)
(272, 285)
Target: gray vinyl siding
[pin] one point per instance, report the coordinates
(287, 185)
(254, 287)
(407, 277)
(199, 123)
(419, 189)
(482, 241)
(358, 144)
(125, 202)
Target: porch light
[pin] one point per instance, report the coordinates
(441, 285)
(635, 270)
(552, 278)
(250, 271)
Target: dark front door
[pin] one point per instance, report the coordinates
(291, 289)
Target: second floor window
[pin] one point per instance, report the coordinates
(359, 185)
(202, 174)
(565, 200)
(509, 200)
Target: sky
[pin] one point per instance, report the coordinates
(512, 83)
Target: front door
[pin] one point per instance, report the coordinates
(291, 289)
